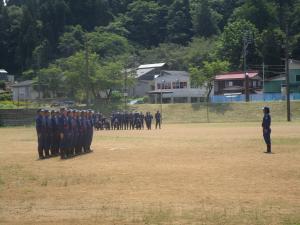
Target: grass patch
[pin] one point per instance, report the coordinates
(219, 113)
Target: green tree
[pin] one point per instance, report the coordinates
(28, 37)
(52, 79)
(71, 41)
(179, 22)
(4, 58)
(90, 13)
(116, 27)
(80, 70)
(205, 75)
(109, 78)
(144, 21)
(205, 20)
(170, 53)
(53, 16)
(261, 13)
(198, 51)
(107, 45)
(9, 40)
(2, 85)
(271, 47)
(230, 46)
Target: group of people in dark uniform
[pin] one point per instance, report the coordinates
(69, 132)
(65, 133)
(127, 121)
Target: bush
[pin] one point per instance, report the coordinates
(2, 85)
(12, 105)
(6, 97)
(116, 96)
(146, 99)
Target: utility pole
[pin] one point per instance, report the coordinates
(247, 39)
(161, 99)
(263, 66)
(37, 70)
(288, 101)
(87, 71)
(125, 90)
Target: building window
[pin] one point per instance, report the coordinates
(298, 78)
(176, 85)
(254, 83)
(167, 86)
(230, 83)
(180, 99)
(163, 85)
(183, 84)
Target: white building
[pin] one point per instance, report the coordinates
(145, 75)
(5, 77)
(24, 91)
(176, 87)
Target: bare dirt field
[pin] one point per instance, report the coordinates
(182, 174)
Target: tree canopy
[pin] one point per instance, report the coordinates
(36, 35)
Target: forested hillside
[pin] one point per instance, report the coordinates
(52, 37)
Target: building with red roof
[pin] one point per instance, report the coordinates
(234, 82)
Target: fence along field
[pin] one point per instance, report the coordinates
(183, 174)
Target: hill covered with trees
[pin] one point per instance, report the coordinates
(59, 40)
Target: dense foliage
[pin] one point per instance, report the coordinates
(49, 38)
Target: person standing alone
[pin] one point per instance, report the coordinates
(266, 126)
(157, 119)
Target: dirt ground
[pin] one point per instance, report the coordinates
(182, 174)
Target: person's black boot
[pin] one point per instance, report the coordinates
(269, 148)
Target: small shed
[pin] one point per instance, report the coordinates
(24, 91)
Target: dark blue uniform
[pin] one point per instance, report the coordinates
(85, 125)
(266, 125)
(55, 137)
(39, 131)
(48, 134)
(148, 120)
(80, 135)
(64, 132)
(90, 132)
(157, 120)
(75, 134)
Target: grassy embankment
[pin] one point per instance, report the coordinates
(229, 112)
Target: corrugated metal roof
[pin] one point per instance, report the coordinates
(236, 75)
(3, 71)
(24, 83)
(141, 72)
(175, 73)
(147, 66)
